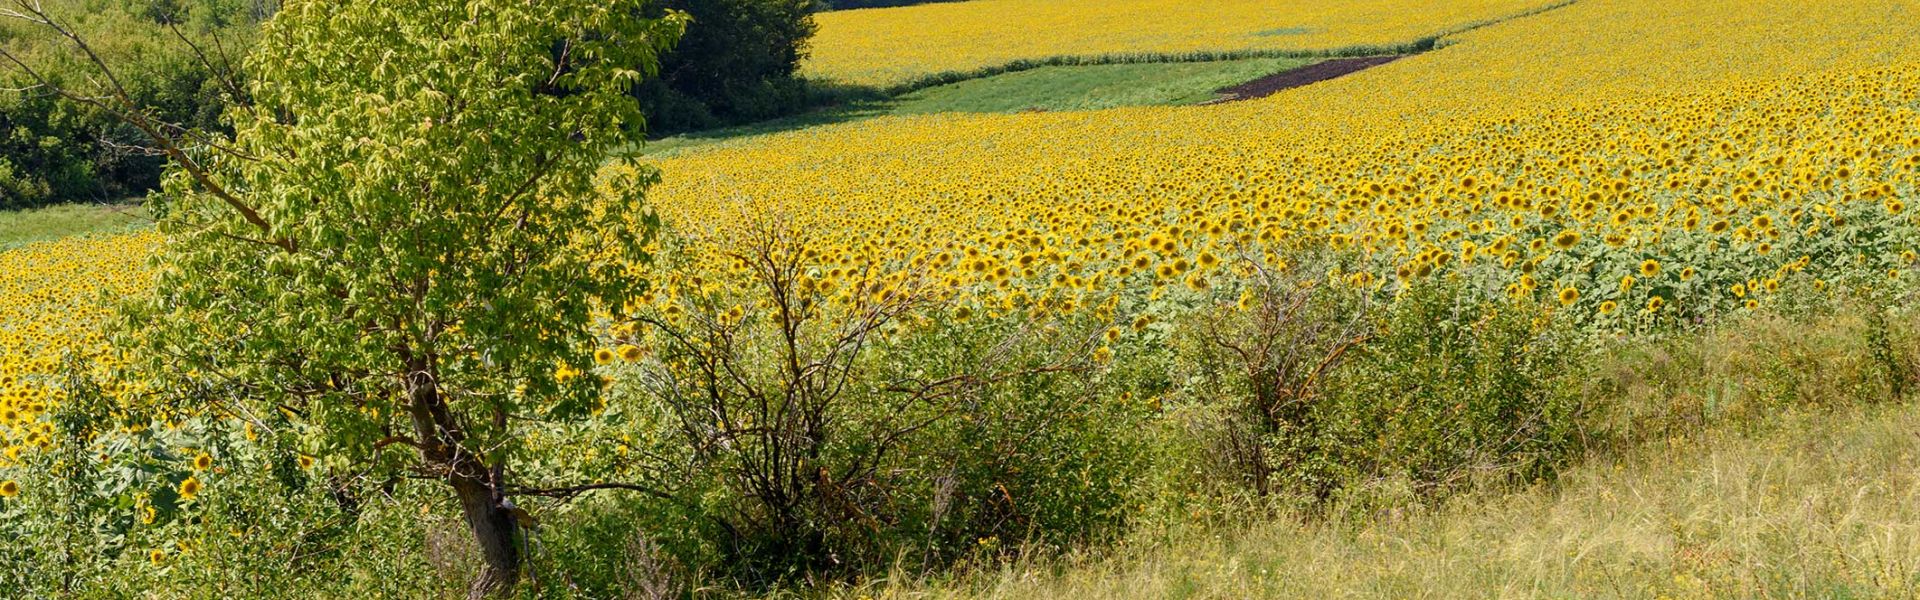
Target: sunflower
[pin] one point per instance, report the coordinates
(1208, 260)
(629, 352)
(1198, 282)
(306, 462)
(602, 356)
(1654, 303)
(1568, 296)
(1566, 239)
(203, 462)
(1608, 307)
(1649, 268)
(9, 488)
(189, 488)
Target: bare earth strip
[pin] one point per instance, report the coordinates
(1284, 80)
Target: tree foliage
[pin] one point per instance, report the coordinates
(739, 62)
(401, 244)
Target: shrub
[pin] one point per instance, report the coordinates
(823, 426)
(1451, 392)
(1263, 363)
(1308, 392)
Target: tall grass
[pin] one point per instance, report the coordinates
(1765, 457)
(1816, 505)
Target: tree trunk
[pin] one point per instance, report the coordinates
(495, 531)
(478, 488)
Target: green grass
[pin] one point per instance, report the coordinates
(1092, 87)
(19, 227)
(1049, 88)
(1821, 504)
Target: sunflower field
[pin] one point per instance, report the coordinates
(1626, 201)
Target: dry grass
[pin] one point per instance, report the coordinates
(1764, 458)
(1824, 505)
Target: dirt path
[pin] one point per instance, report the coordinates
(1316, 72)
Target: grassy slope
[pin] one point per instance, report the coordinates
(1055, 88)
(1820, 505)
(26, 226)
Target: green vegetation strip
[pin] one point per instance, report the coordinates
(22, 227)
(1093, 87)
(1054, 88)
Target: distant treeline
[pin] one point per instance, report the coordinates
(737, 63)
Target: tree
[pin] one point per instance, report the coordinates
(738, 63)
(401, 243)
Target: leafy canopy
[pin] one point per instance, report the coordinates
(411, 193)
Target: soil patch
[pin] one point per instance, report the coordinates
(1284, 80)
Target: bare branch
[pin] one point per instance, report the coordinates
(569, 492)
